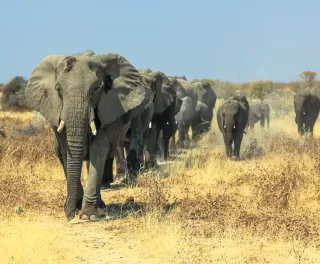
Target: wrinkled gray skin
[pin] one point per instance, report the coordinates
(204, 111)
(232, 118)
(306, 107)
(259, 112)
(198, 101)
(89, 100)
(188, 96)
(153, 122)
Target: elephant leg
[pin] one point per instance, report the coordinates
(182, 134)
(160, 150)
(237, 144)
(99, 151)
(120, 158)
(151, 143)
(107, 177)
(195, 130)
(262, 121)
(135, 144)
(173, 136)
(187, 138)
(167, 132)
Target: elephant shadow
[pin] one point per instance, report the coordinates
(116, 211)
(122, 210)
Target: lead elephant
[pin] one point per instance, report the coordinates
(89, 101)
(232, 118)
(306, 107)
(259, 112)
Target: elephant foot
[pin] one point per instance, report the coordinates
(92, 212)
(72, 208)
(130, 178)
(235, 158)
(105, 185)
(121, 169)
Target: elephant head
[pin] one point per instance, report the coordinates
(77, 93)
(164, 90)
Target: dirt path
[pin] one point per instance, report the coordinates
(107, 241)
(103, 245)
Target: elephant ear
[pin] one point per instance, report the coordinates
(164, 93)
(128, 90)
(255, 109)
(40, 92)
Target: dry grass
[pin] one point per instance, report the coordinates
(30, 240)
(261, 209)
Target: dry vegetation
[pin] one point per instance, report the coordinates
(262, 209)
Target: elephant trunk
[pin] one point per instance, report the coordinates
(300, 116)
(229, 130)
(76, 126)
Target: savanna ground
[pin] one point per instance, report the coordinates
(262, 209)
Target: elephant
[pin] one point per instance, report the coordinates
(162, 117)
(89, 100)
(178, 77)
(189, 100)
(232, 118)
(198, 101)
(306, 106)
(259, 112)
(204, 111)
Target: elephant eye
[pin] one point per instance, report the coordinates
(58, 89)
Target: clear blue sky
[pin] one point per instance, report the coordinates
(235, 40)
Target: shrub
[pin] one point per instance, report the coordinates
(13, 95)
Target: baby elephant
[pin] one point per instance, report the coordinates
(259, 112)
(232, 117)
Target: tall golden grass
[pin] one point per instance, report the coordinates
(261, 209)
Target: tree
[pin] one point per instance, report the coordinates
(259, 89)
(309, 78)
(225, 89)
(13, 94)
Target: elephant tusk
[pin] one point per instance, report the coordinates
(234, 127)
(150, 125)
(93, 128)
(61, 126)
(224, 126)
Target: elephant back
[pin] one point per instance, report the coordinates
(145, 70)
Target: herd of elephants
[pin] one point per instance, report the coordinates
(99, 105)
